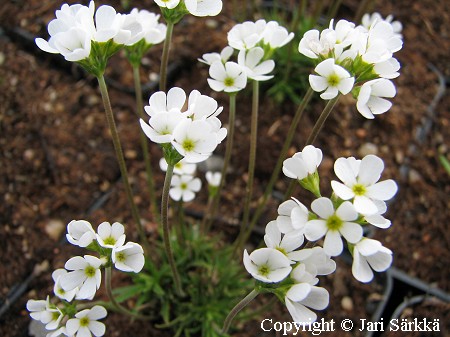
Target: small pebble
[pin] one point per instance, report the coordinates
(367, 148)
(347, 303)
(54, 228)
(414, 176)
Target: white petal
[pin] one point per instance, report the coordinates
(317, 299)
(384, 190)
(332, 244)
(344, 171)
(351, 231)
(97, 312)
(299, 292)
(360, 268)
(342, 191)
(97, 328)
(347, 212)
(370, 170)
(315, 229)
(364, 205)
(300, 314)
(323, 207)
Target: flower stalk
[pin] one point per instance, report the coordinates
(238, 307)
(144, 141)
(166, 230)
(121, 160)
(211, 212)
(165, 57)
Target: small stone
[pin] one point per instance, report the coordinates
(131, 154)
(211, 23)
(2, 58)
(54, 228)
(414, 176)
(361, 133)
(28, 155)
(347, 303)
(367, 148)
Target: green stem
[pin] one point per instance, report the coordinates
(166, 230)
(144, 142)
(165, 57)
(313, 135)
(321, 121)
(117, 306)
(121, 159)
(287, 143)
(251, 164)
(229, 147)
(241, 305)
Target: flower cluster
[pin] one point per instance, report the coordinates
(358, 201)
(174, 10)
(357, 59)
(192, 134)
(81, 279)
(88, 36)
(255, 43)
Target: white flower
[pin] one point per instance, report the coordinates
(302, 296)
(360, 183)
(169, 4)
(292, 216)
(250, 61)
(286, 243)
(213, 178)
(369, 19)
(71, 32)
(224, 56)
(160, 102)
(303, 163)
(80, 233)
(129, 257)
(58, 290)
(246, 35)
(180, 168)
(194, 140)
(108, 24)
(313, 261)
(45, 312)
(314, 43)
(333, 79)
(184, 187)
(85, 275)
(267, 265)
(228, 77)
(110, 236)
(370, 101)
(85, 323)
(161, 126)
(381, 43)
(276, 36)
(143, 24)
(204, 7)
(332, 224)
(370, 254)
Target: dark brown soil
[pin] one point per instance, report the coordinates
(57, 160)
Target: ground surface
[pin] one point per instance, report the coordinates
(57, 159)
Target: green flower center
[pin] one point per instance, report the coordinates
(359, 189)
(84, 321)
(178, 165)
(183, 186)
(55, 316)
(264, 270)
(229, 82)
(61, 291)
(120, 257)
(281, 250)
(334, 222)
(188, 145)
(109, 241)
(333, 80)
(89, 271)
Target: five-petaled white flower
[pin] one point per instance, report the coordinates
(224, 56)
(332, 224)
(370, 98)
(213, 178)
(302, 296)
(85, 275)
(228, 77)
(110, 236)
(292, 216)
(58, 290)
(370, 254)
(129, 257)
(332, 80)
(246, 35)
(360, 183)
(267, 265)
(80, 233)
(179, 168)
(285, 243)
(254, 66)
(85, 323)
(184, 187)
(45, 312)
(303, 163)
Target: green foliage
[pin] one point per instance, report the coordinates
(211, 278)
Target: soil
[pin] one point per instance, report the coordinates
(58, 162)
